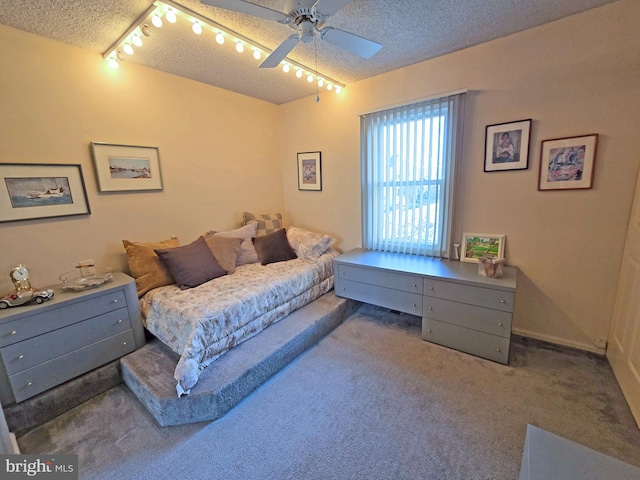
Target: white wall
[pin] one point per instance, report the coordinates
(573, 77)
(219, 153)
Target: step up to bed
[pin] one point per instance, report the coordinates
(148, 372)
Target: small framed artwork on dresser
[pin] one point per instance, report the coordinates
(476, 245)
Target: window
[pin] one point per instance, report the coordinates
(408, 172)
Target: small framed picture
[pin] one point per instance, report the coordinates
(121, 168)
(309, 171)
(476, 245)
(507, 146)
(567, 163)
(39, 190)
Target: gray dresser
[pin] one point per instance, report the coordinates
(459, 308)
(44, 345)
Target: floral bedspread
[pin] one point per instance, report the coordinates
(202, 323)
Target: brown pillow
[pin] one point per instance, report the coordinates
(191, 265)
(224, 249)
(247, 252)
(145, 266)
(274, 247)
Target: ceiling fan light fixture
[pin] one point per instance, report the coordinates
(171, 16)
(196, 27)
(156, 21)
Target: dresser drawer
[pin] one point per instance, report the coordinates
(491, 347)
(54, 318)
(382, 278)
(481, 319)
(28, 353)
(37, 379)
(484, 297)
(383, 297)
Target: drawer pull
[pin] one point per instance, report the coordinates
(29, 384)
(119, 321)
(502, 301)
(115, 301)
(20, 357)
(430, 288)
(13, 332)
(429, 330)
(414, 304)
(124, 344)
(430, 308)
(497, 350)
(500, 325)
(415, 284)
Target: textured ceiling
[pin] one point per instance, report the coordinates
(410, 31)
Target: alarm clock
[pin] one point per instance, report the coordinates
(20, 277)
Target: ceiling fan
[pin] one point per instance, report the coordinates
(306, 18)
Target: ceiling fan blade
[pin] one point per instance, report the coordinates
(274, 59)
(247, 8)
(360, 46)
(329, 7)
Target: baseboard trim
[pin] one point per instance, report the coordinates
(559, 341)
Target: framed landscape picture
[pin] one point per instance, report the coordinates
(567, 163)
(309, 171)
(507, 146)
(37, 190)
(122, 168)
(476, 245)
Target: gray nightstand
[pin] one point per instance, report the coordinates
(44, 345)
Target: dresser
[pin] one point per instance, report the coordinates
(44, 345)
(459, 308)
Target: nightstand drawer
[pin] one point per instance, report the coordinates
(382, 278)
(381, 296)
(491, 347)
(481, 319)
(36, 350)
(34, 380)
(484, 297)
(59, 317)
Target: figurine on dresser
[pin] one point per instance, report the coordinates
(24, 292)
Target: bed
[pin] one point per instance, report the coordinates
(202, 322)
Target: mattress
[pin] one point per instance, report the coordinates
(202, 323)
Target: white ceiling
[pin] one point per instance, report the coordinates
(410, 30)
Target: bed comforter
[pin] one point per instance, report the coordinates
(202, 323)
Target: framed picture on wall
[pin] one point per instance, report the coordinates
(309, 171)
(476, 245)
(39, 190)
(567, 163)
(121, 168)
(507, 146)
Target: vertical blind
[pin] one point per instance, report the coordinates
(408, 176)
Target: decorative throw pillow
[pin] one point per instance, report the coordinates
(191, 265)
(247, 253)
(267, 222)
(274, 247)
(308, 245)
(145, 266)
(224, 249)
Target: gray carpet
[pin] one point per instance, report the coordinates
(370, 401)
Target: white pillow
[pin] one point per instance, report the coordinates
(247, 253)
(308, 245)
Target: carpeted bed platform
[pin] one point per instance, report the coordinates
(148, 372)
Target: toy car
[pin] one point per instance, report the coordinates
(15, 299)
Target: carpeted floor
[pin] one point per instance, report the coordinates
(370, 401)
